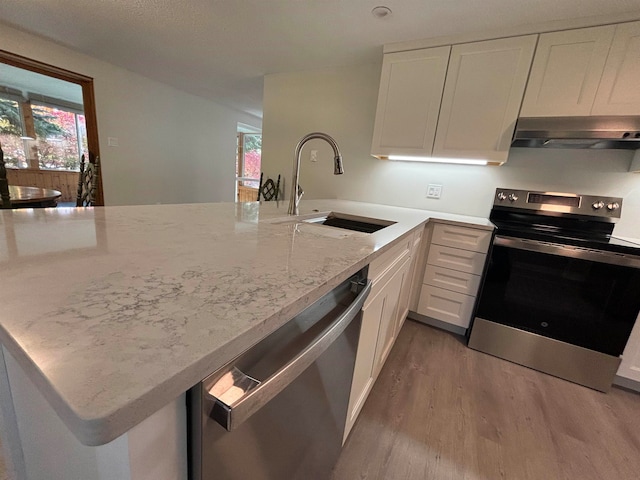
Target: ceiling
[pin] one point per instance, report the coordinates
(221, 49)
(31, 82)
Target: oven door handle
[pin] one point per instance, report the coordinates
(570, 251)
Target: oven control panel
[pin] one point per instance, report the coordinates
(559, 203)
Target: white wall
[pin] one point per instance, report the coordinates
(173, 147)
(342, 102)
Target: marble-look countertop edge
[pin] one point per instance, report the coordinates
(96, 431)
(447, 221)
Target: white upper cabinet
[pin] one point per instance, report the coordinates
(619, 91)
(409, 101)
(566, 72)
(590, 71)
(482, 98)
(462, 102)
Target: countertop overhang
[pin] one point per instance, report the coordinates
(115, 311)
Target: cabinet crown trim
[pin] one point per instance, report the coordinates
(534, 28)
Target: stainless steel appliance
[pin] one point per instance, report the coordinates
(561, 294)
(278, 411)
(617, 132)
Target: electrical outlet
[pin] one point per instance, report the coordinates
(314, 155)
(112, 142)
(434, 191)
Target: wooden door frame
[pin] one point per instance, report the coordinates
(88, 100)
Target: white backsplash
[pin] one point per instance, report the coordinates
(469, 190)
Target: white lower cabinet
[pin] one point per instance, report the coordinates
(363, 371)
(389, 316)
(453, 280)
(382, 316)
(630, 366)
(447, 306)
(455, 260)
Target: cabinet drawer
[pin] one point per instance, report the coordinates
(466, 238)
(388, 259)
(445, 305)
(456, 259)
(454, 280)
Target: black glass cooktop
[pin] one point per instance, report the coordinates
(566, 231)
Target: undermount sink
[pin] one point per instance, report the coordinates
(350, 222)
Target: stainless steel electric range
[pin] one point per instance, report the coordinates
(561, 294)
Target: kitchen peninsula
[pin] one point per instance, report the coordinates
(112, 313)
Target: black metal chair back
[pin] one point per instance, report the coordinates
(269, 190)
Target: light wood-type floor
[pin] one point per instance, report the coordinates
(3, 471)
(442, 411)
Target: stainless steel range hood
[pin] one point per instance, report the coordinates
(613, 132)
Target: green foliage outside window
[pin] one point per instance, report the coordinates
(56, 133)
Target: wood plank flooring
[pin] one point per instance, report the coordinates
(3, 470)
(442, 411)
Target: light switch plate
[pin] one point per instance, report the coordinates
(434, 191)
(112, 142)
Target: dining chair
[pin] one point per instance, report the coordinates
(269, 190)
(87, 182)
(5, 199)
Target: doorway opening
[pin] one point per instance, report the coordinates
(47, 122)
(248, 162)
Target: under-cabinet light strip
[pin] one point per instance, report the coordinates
(461, 161)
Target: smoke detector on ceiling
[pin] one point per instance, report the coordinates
(381, 12)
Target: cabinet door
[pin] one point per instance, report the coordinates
(405, 295)
(482, 98)
(409, 101)
(566, 72)
(618, 93)
(388, 317)
(630, 366)
(363, 372)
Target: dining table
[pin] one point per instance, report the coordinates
(33, 197)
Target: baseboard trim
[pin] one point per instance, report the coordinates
(627, 383)
(437, 323)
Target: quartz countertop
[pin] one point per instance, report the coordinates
(115, 311)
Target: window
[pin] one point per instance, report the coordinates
(11, 132)
(248, 159)
(61, 137)
(47, 121)
(40, 135)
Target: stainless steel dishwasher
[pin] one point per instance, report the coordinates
(278, 411)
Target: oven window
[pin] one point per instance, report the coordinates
(593, 305)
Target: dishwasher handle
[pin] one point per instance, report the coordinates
(231, 417)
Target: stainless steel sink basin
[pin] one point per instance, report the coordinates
(350, 222)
